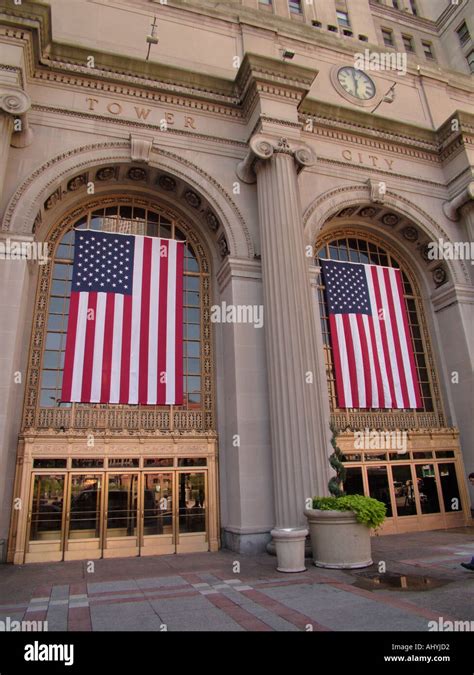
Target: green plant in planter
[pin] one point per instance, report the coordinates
(369, 511)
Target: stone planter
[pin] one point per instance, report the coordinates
(338, 540)
(289, 545)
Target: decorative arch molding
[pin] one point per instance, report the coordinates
(325, 207)
(25, 206)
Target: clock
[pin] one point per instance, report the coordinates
(356, 83)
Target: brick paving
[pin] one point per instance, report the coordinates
(196, 592)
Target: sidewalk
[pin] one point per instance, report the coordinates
(201, 591)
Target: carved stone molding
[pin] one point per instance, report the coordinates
(377, 190)
(262, 148)
(451, 208)
(140, 148)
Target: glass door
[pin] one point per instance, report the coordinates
(83, 517)
(159, 529)
(46, 518)
(192, 518)
(121, 516)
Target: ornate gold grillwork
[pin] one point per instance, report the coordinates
(119, 419)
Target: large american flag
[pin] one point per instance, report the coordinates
(373, 355)
(125, 331)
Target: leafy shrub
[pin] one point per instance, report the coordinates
(370, 512)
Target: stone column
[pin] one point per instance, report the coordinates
(13, 104)
(299, 441)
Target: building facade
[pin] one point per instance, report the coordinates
(251, 131)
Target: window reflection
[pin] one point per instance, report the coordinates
(378, 486)
(404, 490)
(449, 487)
(426, 478)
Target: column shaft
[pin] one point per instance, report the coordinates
(6, 130)
(299, 462)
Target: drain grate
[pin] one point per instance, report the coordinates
(397, 581)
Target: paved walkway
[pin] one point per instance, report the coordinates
(203, 592)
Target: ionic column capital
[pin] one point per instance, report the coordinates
(452, 206)
(262, 148)
(14, 101)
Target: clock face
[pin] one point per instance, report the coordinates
(356, 83)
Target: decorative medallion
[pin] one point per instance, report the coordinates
(167, 183)
(53, 199)
(348, 211)
(212, 221)
(192, 198)
(135, 173)
(439, 276)
(410, 233)
(283, 146)
(368, 212)
(223, 247)
(390, 219)
(77, 182)
(425, 252)
(107, 173)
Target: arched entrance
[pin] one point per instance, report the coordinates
(106, 480)
(408, 458)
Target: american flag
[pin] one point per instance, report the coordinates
(373, 355)
(125, 331)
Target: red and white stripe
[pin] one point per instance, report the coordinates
(373, 355)
(130, 349)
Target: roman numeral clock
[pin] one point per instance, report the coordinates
(354, 85)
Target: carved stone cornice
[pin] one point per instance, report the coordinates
(263, 147)
(451, 207)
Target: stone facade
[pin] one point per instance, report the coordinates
(239, 122)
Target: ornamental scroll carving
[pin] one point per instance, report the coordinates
(262, 148)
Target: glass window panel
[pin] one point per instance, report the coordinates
(193, 299)
(68, 238)
(191, 265)
(195, 399)
(161, 461)
(192, 502)
(165, 231)
(49, 463)
(49, 378)
(123, 462)
(51, 359)
(48, 398)
(353, 483)
(192, 348)
(192, 461)
(445, 453)
(47, 508)
(152, 217)
(404, 491)
(54, 340)
(192, 315)
(56, 305)
(449, 487)
(192, 330)
(193, 366)
(191, 283)
(60, 287)
(194, 384)
(66, 252)
(84, 517)
(56, 322)
(426, 479)
(62, 271)
(378, 486)
(91, 463)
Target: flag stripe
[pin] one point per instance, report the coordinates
(366, 363)
(89, 347)
(126, 347)
(145, 322)
(351, 361)
(179, 323)
(79, 347)
(171, 324)
(70, 346)
(105, 389)
(341, 369)
(97, 359)
(116, 374)
(405, 401)
(162, 317)
(153, 324)
(381, 320)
